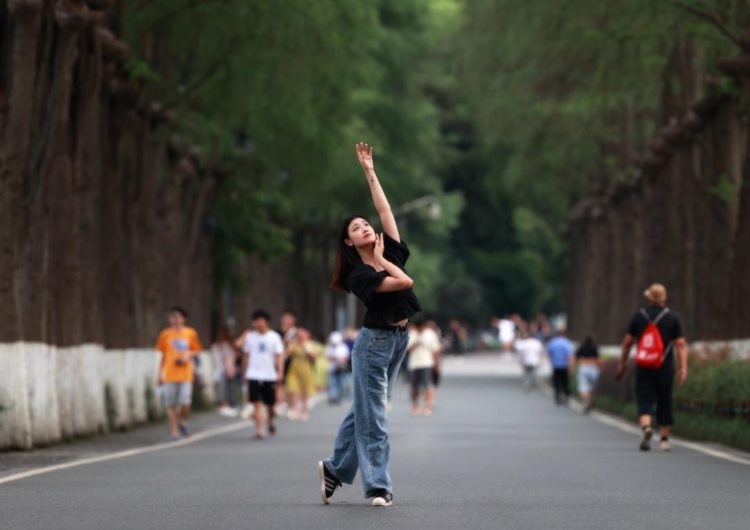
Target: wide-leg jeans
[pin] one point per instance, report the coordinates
(362, 438)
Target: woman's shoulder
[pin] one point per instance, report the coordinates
(362, 267)
(362, 271)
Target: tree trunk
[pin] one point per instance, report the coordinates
(14, 155)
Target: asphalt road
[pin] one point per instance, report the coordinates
(490, 457)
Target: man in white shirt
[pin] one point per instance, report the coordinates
(263, 365)
(424, 346)
(506, 333)
(530, 354)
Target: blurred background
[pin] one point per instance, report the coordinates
(540, 156)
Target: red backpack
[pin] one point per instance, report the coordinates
(650, 351)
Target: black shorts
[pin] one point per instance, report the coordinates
(263, 391)
(654, 387)
(435, 377)
(421, 378)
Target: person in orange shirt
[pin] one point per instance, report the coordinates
(179, 345)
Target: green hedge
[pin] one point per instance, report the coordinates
(713, 405)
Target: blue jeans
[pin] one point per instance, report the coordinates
(362, 439)
(338, 383)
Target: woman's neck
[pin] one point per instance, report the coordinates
(367, 254)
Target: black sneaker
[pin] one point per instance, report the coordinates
(648, 432)
(328, 483)
(382, 498)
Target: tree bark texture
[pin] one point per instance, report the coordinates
(100, 227)
(685, 223)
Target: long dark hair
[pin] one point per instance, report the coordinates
(346, 257)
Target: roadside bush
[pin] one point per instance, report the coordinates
(713, 404)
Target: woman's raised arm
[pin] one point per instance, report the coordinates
(364, 155)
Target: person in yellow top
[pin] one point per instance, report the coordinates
(179, 345)
(300, 382)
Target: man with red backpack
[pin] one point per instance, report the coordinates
(658, 332)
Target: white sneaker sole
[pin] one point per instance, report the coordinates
(646, 440)
(380, 501)
(322, 475)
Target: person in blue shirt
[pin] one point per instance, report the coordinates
(561, 355)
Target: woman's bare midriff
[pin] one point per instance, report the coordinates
(586, 360)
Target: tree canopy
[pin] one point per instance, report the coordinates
(504, 110)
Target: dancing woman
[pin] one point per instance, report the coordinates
(371, 266)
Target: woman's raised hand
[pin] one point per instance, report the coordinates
(379, 247)
(364, 155)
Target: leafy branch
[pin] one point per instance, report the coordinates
(207, 75)
(716, 20)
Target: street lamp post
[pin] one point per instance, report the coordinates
(428, 201)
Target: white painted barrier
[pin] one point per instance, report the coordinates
(115, 379)
(41, 370)
(15, 421)
(91, 390)
(738, 349)
(64, 379)
(49, 393)
(206, 371)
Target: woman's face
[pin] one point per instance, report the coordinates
(360, 233)
(303, 335)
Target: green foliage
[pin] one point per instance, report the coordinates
(278, 95)
(724, 190)
(709, 406)
(429, 268)
(139, 70)
(460, 294)
(550, 85)
(715, 384)
(502, 109)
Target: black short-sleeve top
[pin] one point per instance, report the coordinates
(587, 351)
(669, 326)
(383, 309)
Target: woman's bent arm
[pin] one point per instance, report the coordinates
(397, 279)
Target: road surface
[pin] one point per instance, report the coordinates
(490, 457)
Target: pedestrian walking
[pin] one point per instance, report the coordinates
(226, 376)
(530, 354)
(560, 351)
(371, 266)
(263, 365)
(506, 333)
(423, 347)
(337, 353)
(288, 331)
(437, 369)
(589, 366)
(657, 332)
(456, 337)
(300, 381)
(178, 345)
